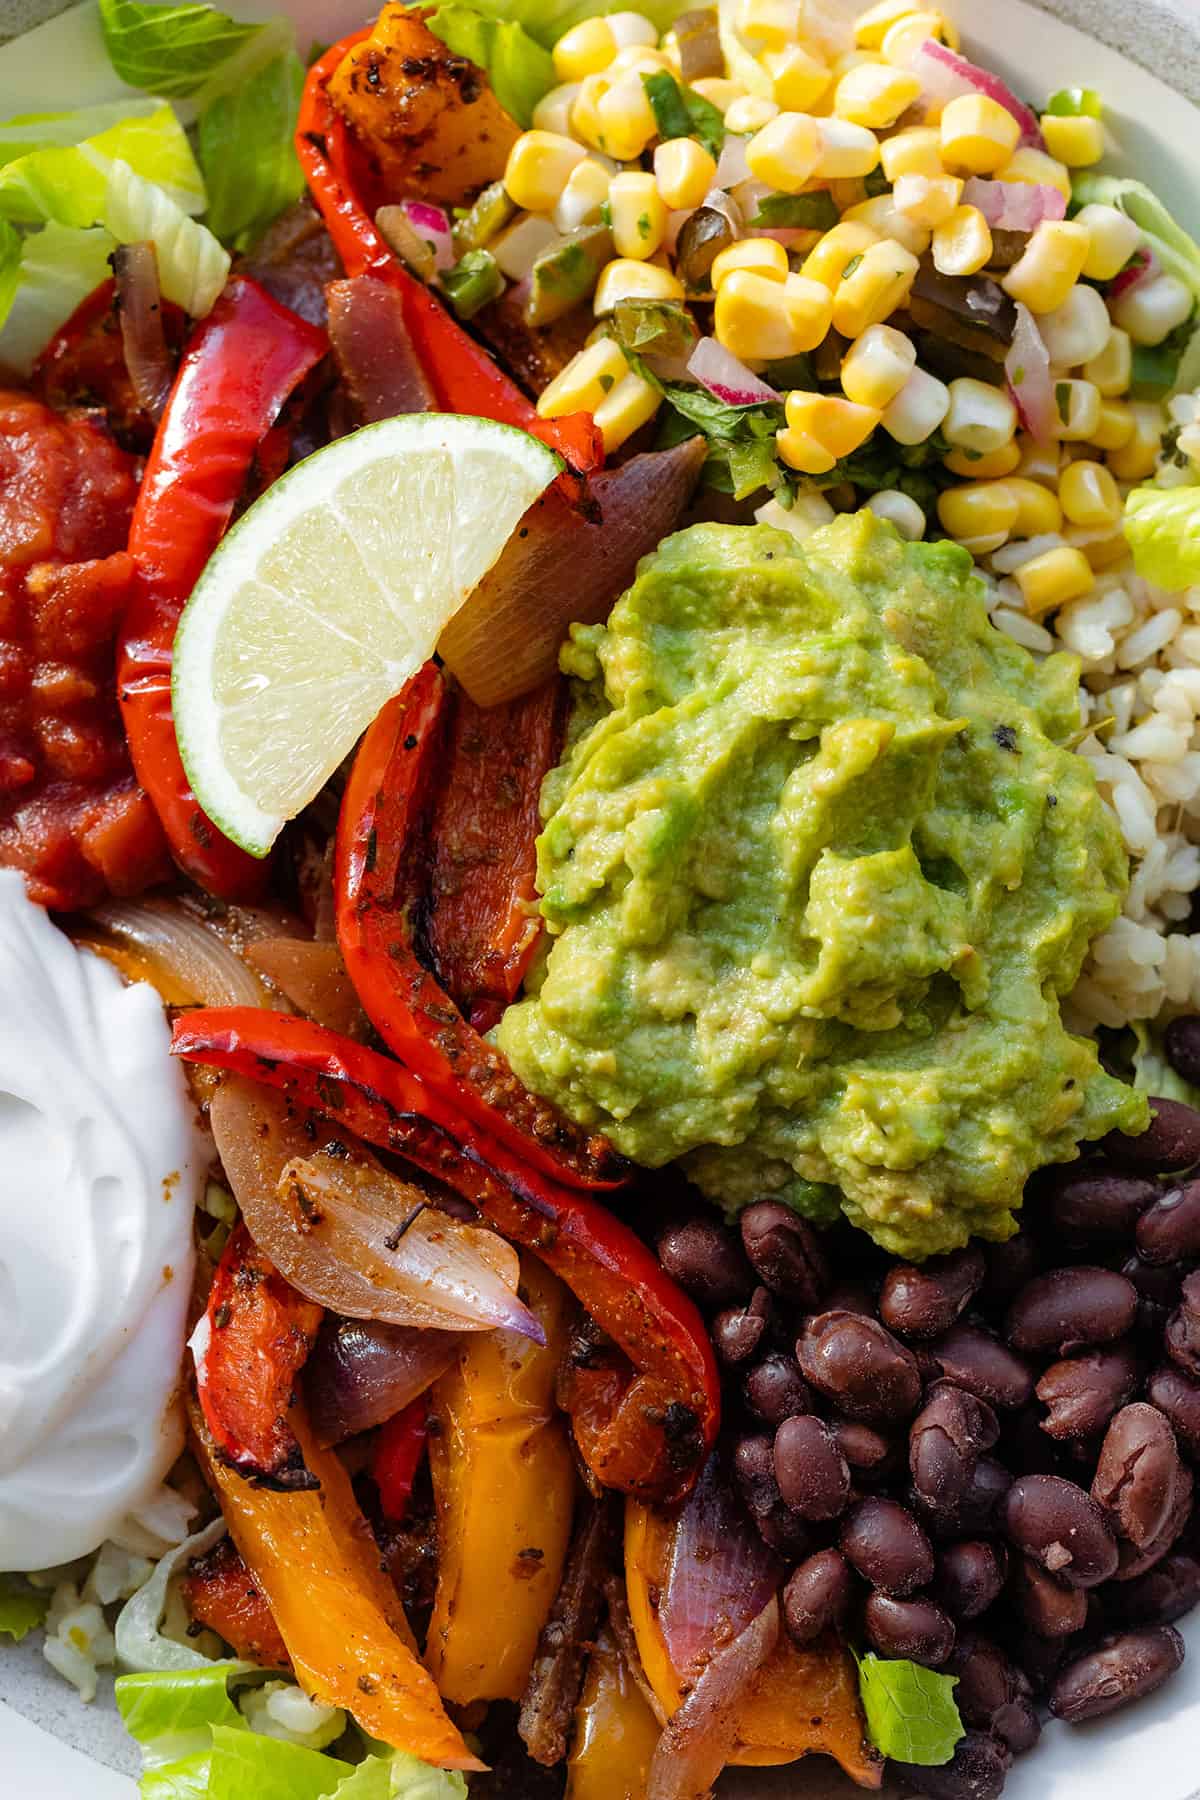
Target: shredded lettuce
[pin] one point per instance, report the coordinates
(246, 150)
(66, 183)
(22, 1608)
(910, 1711)
(1176, 251)
(1162, 526)
(140, 1643)
(394, 1775)
(57, 269)
(171, 1712)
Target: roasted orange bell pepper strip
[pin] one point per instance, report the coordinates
(504, 1483)
(313, 1556)
(615, 1731)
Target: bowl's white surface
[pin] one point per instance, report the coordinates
(1152, 1748)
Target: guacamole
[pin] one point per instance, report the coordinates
(817, 867)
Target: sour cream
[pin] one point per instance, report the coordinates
(100, 1161)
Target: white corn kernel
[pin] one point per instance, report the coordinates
(586, 381)
(1114, 240)
(978, 134)
(903, 39)
(806, 514)
(539, 164)
(882, 215)
(630, 28)
(962, 244)
(1077, 330)
(585, 193)
(627, 279)
(586, 49)
(871, 27)
(900, 510)
(639, 59)
(1077, 406)
(875, 95)
(553, 111)
(747, 115)
(980, 418)
(1153, 308)
(1111, 369)
(785, 152)
(517, 249)
(845, 150)
(638, 213)
(927, 200)
(918, 409)
(877, 366)
(917, 151)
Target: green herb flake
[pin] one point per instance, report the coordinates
(850, 267)
(806, 212)
(1062, 400)
(910, 1711)
(678, 112)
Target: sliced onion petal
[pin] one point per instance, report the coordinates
(1015, 205)
(143, 339)
(1027, 366)
(353, 1237)
(698, 1739)
(934, 64)
(727, 379)
(192, 955)
(733, 166)
(362, 1372)
(313, 977)
(720, 1573)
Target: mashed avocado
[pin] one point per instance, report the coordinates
(817, 868)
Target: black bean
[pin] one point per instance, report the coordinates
(1172, 1143)
(1008, 1267)
(1081, 1393)
(1137, 1473)
(1181, 1042)
(786, 1253)
(1169, 1231)
(1099, 1203)
(993, 1694)
(969, 1577)
(1158, 1290)
(1041, 1658)
(754, 1472)
(977, 1771)
(813, 1475)
(925, 1302)
(886, 1545)
(817, 1595)
(1165, 1593)
(706, 1260)
(948, 1436)
(916, 1628)
(1134, 1560)
(1182, 1336)
(867, 1451)
(858, 1365)
(1069, 1309)
(738, 1331)
(775, 1389)
(1126, 1667)
(786, 1532)
(975, 1360)
(1060, 1527)
(976, 1511)
(1048, 1608)
(1178, 1396)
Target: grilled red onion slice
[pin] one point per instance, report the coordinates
(373, 350)
(313, 977)
(362, 1372)
(139, 308)
(721, 1572)
(697, 1741)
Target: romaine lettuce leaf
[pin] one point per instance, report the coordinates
(519, 68)
(171, 1712)
(1162, 526)
(247, 153)
(66, 184)
(57, 270)
(547, 20)
(27, 132)
(248, 1767)
(185, 1779)
(192, 266)
(22, 1608)
(394, 1775)
(186, 50)
(910, 1711)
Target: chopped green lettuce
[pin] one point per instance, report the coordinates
(1162, 526)
(247, 154)
(171, 1712)
(547, 20)
(192, 266)
(185, 51)
(394, 1775)
(519, 68)
(66, 183)
(1176, 251)
(910, 1711)
(58, 268)
(22, 1608)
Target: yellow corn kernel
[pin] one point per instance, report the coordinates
(760, 320)
(1102, 553)
(784, 153)
(627, 279)
(585, 193)
(978, 134)
(1077, 404)
(762, 255)
(1114, 240)
(586, 49)
(684, 171)
(829, 260)
(1077, 142)
(1052, 264)
(586, 382)
(846, 150)
(1089, 495)
(993, 467)
(877, 366)
(639, 214)
(553, 111)
(871, 27)
(806, 454)
(769, 24)
(1112, 370)
(1039, 462)
(1136, 458)
(875, 94)
(842, 426)
(538, 167)
(917, 151)
(929, 200)
(902, 40)
(883, 216)
(798, 78)
(1049, 581)
(856, 59)
(625, 410)
(962, 245)
(585, 113)
(1115, 427)
(627, 121)
(872, 292)
(718, 91)
(746, 115)
(1035, 169)
(1038, 510)
(977, 511)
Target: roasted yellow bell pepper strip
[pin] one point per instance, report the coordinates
(314, 1557)
(800, 1701)
(504, 1482)
(615, 1731)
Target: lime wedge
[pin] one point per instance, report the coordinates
(327, 595)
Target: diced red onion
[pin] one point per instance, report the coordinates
(695, 1745)
(1027, 366)
(733, 167)
(725, 377)
(1142, 265)
(935, 63)
(362, 1372)
(1015, 205)
(721, 1573)
(431, 223)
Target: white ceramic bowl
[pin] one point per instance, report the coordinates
(51, 1746)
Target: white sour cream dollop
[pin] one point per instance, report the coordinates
(100, 1161)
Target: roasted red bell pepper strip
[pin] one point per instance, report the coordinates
(483, 925)
(254, 1338)
(465, 378)
(242, 363)
(379, 884)
(650, 1429)
(398, 1452)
